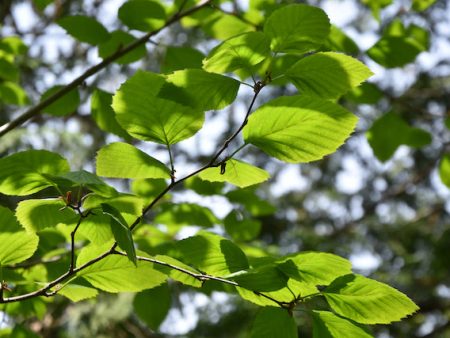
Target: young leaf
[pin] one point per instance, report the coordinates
(367, 301)
(84, 29)
(199, 89)
(297, 28)
(117, 274)
(178, 58)
(103, 114)
(123, 160)
(20, 173)
(65, 105)
(327, 75)
(299, 129)
(444, 170)
(177, 275)
(328, 325)
(121, 231)
(96, 229)
(239, 52)
(76, 292)
(273, 322)
(153, 305)
(149, 118)
(117, 41)
(15, 247)
(236, 172)
(317, 268)
(38, 214)
(212, 254)
(143, 15)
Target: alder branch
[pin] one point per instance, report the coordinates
(72, 271)
(34, 111)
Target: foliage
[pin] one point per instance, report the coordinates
(70, 234)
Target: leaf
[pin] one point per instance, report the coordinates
(263, 279)
(123, 160)
(366, 93)
(316, 268)
(422, 5)
(199, 89)
(91, 181)
(15, 247)
(444, 170)
(117, 41)
(297, 28)
(8, 223)
(273, 322)
(152, 306)
(13, 45)
(299, 129)
(390, 131)
(76, 292)
(8, 70)
(341, 42)
(12, 93)
(251, 201)
(328, 325)
(204, 187)
(65, 105)
(104, 115)
(121, 231)
(143, 15)
(236, 172)
(327, 75)
(149, 118)
(117, 274)
(177, 275)
(38, 214)
(127, 204)
(96, 229)
(178, 58)
(213, 254)
(222, 26)
(186, 214)
(241, 229)
(239, 52)
(367, 301)
(84, 29)
(20, 173)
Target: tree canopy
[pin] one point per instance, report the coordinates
(224, 168)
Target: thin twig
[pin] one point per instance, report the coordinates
(34, 111)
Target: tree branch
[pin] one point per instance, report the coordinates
(93, 70)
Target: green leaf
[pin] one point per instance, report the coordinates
(444, 170)
(104, 115)
(204, 187)
(176, 274)
(297, 28)
(186, 214)
(152, 306)
(149, 118)
(21, 173)
(121, 231)
(8, 223)
(117, 274)
(143, 15)
(299, 129)
(422, 5)
(12, 93)
(390, 131)
(367, 93)
(213, 254)
(117, 41)
(264, 279)
(199, 89)
(13, 45)
(239, 52)
(376, 6)
(340, 42)
(15, 247)
(148, 188)
(65, 105)
(235, 172)
(316, 268)
(178, 58)
(222, 26)
(91, 181)
(96, 229)
(273, 322)
(367, 301)
(123, 160)
(127, 204)
(76, 292)
(328, 325)
(8, 70)
(243, 229)
(251, 201)
(38, 214)
(327, 75)
(84, 29)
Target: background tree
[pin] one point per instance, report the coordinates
(382, 196)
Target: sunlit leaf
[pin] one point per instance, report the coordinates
(76, 292)
(273, 322)
(143, 15)
(153, 305)
(178, 58)
(117, 41)
(15, 247)
(328, 325)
